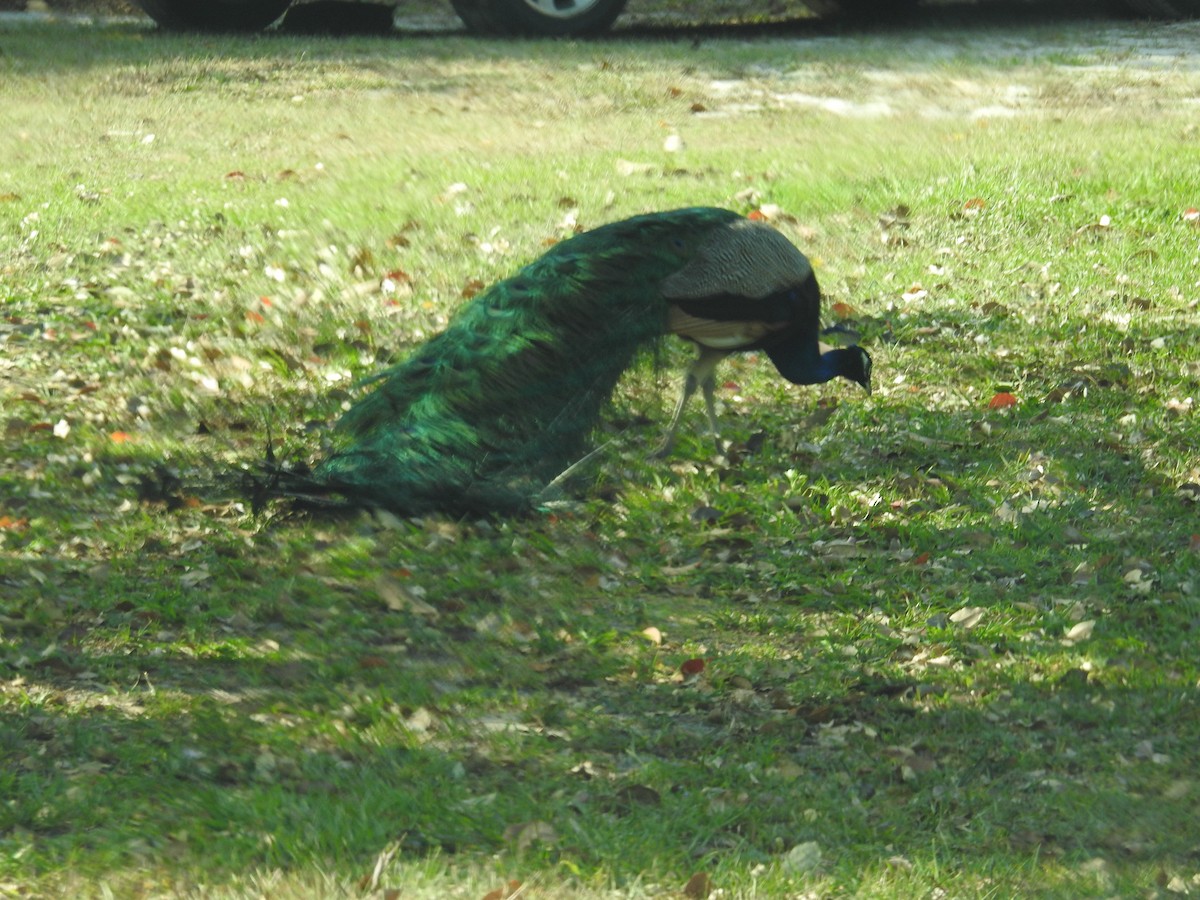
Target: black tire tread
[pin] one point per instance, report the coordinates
(1164, 9)
(853, 10)
(512, 18)
(214, 15)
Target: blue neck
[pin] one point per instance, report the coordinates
(804, 363)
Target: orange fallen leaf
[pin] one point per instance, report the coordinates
(842, 310)
(698, 887)
(120, 437)
(8, 523)
(1002, 400)
(503, 893)
(692, 666)
(525, 834)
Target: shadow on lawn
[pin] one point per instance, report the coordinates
(310, 713)
(1069, 769)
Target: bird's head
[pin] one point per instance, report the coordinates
(856, 366)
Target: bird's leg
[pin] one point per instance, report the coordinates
(668, 441)
(700, 375)
(708, 386)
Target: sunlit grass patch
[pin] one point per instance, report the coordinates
(927, 640)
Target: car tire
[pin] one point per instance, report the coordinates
(1164, 9)
(214, 15)
(859, 10)
(539, 18)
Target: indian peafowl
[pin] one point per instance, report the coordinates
(751, 289)
(482, 417)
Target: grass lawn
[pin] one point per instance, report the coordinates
(950, 644)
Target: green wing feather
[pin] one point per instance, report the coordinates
(484, 415)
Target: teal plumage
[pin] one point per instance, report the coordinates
(487, 413)
(482, 417)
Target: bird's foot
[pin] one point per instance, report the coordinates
(663, 450)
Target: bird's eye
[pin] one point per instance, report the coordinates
(677, 243)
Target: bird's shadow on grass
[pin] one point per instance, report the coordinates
(239, 703)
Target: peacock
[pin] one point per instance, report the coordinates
(483, 416)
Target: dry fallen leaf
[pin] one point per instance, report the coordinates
(1138, 582)
(788, 770)
(627, 168)
(803, 857)
(512, 889)
(1080, 631)
(699, 886)
(967, 617)
(524, 835)
(401, 597)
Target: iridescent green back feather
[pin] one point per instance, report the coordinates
(484, 415)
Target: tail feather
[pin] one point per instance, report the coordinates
(482, 417)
